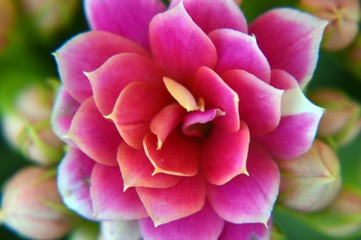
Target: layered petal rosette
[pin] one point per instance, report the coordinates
(174, 116)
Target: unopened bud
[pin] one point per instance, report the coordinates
(28, 129)
(310, 182)
(125, 230)
(343, 16)
(342, 118)
(31, 205)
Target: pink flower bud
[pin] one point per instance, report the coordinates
(28, 129)
(310, 182)
(7, 21)
(342, 118)
(343, 16)
(31, 205)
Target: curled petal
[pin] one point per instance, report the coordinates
(85, 53)
(137, 171)
(179, 45)
(179, 201)
(74, 182)
(195, 123)
(117, 72)
(290, 39)
(109, 200)
(123, 18)
(248, 199)
(94, 135)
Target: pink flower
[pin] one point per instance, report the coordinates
(174, 116)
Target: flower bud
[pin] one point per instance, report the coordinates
(342, 118)
(310, 182)
(343, 16)
(31, 205)
(125, 230)
(7, 21)
(28, 128)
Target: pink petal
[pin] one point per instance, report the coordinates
(210, 15)
(109, 200)
(137, 170)
(248, 199)
(299, 121)
(178, 156)
(179, 201)
(135, 108)
(74, 182)
(62, 114)
(224, 155)
(179, 45)
(217, 94)
(290, 39)
(249, 231)
(195, 123)
(236, 50)
(118, 71)
(96, 136)
(166, 121)
(129, 19)
(203, 225)
(259, 103)
(85, 53)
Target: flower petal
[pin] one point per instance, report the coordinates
(137, 170)
(64, 108)
(299, 121)
(96, 136)
(129, 19)
(248, 199)
(110, 79)
(204, 224)
(136, 106)
(259, 103)
(238, 50)
(85, 53)
(178, 156)
(248, 231)
(74, 182)
(217, 94)
(179, 45)
(195, 123)
(290, 39)
(109, 200)
(179, 201)
(210, 15)
(224, 154)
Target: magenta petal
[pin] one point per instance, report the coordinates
(109, 200)
(224, 155)
(202, 225)
(94, 135)
(63, 112)
(127, 18)
(195, 123)
(248, 231)
(136, 106)
(237, 50)
(217, 94)
(85, 53)
(210, 15)
(290, 39)
(179, 201)
(248, 199)
(110, 79)
(74, 182)
(179, 45)
(137, 171)
(259, 103)
(178, 156)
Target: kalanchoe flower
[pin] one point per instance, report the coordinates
(30, 205)
(342, 120)
(310, 182)
(27, 126)
(344, 18)
(175, 116)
